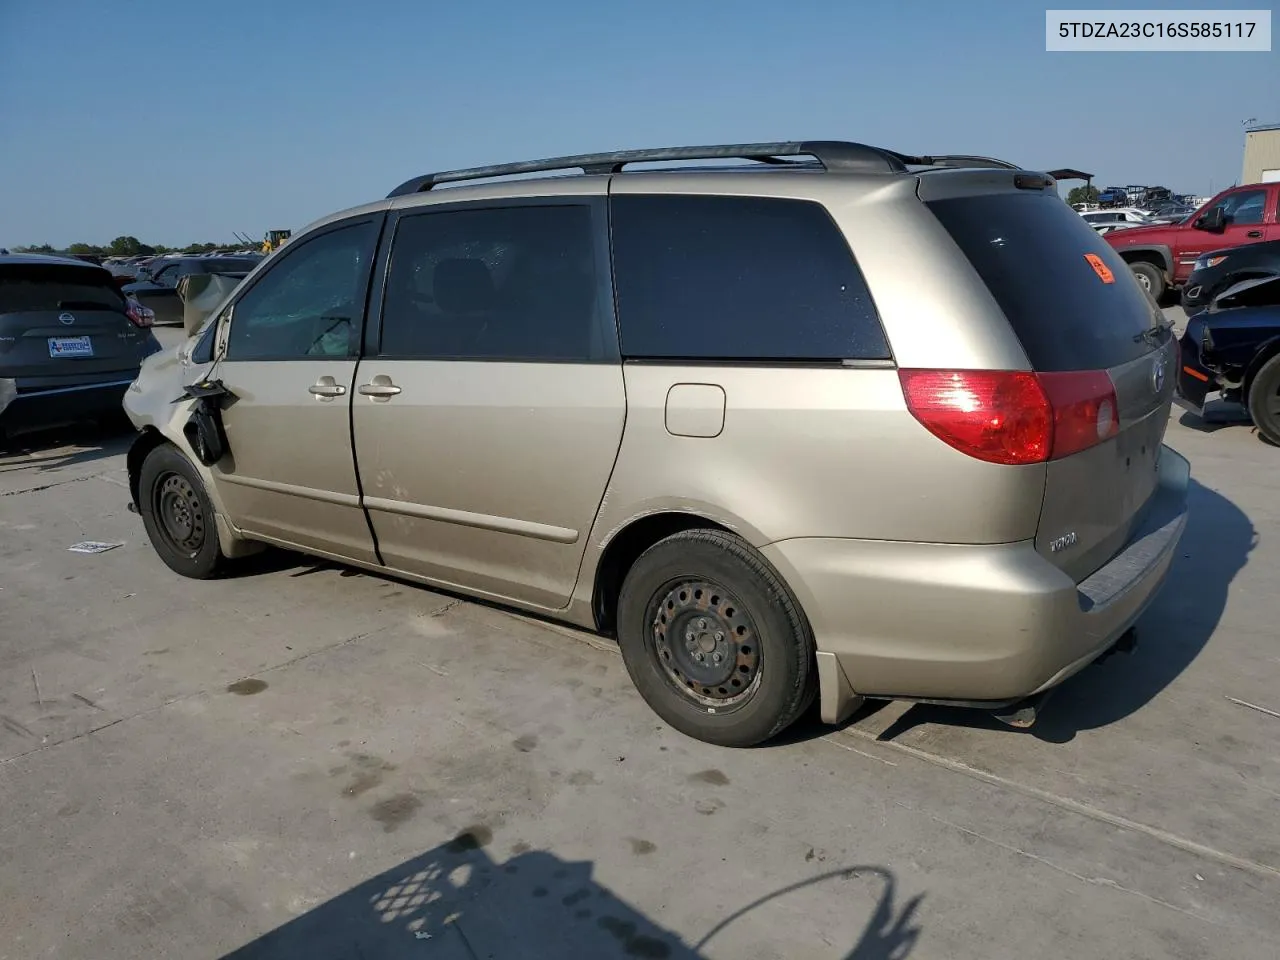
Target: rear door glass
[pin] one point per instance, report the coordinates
(1048, 271)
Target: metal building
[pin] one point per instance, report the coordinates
(1262, 153)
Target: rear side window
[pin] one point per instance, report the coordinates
(50, 287)
(1033, 252)
(738, 278)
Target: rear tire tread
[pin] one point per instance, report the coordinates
(1266, 382)
(758, 577)
(1154, 275)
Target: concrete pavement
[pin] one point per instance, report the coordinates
(303, 761)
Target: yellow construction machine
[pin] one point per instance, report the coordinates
(275, 239)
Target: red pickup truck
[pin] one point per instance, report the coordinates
(1162, 256)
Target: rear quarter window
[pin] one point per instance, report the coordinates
(738, 278)
(1032, 252)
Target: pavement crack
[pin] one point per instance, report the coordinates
(1092, 881)
(449, 605)
(1075, 806)
(168, 703)
(49, 486)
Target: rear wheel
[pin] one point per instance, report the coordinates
(1264, 400)
(1150, 277)
(714, 641)
(178, 514)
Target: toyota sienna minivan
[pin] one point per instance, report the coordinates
(819, 420)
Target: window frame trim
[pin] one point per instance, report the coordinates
(226, 316)
(597, 205)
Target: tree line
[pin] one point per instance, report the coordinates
(126, 247)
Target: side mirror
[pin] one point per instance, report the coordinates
(1213, 221)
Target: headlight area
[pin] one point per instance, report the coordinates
(1204, 263)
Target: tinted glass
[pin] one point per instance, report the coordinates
(1244, 208)
(738, 278)
(51, 287)
(516, 283)
(228, 265)
(1030, 250)
(310, 303)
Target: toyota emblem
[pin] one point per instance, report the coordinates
(66, 318)
(1157, 374)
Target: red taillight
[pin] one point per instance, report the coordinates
(140, 315)
(1084, 410)
(1013, 416)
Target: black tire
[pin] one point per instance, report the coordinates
(1264, 400)
(1150, 277)
(178, 514)
(733, 604)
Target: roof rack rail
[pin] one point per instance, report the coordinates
(836, 156)
(958, 160)
(832, 155)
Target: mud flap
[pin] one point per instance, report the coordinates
(203, 429)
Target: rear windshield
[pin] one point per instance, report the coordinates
(230, 265)
(1033, 252)
(29, 288)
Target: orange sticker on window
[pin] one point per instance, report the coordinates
(1101, 269)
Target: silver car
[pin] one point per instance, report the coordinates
(822, 421)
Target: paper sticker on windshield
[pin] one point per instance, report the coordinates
(1101, 269)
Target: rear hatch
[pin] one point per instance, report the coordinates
(64, 321)
(1082, 321)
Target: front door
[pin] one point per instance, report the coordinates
(489, 408)
(1245, 213)
(290, 362)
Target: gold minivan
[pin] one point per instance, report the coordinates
(820, 420)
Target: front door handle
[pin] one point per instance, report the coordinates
(326, 388)
(1254, 233)
(380, 388)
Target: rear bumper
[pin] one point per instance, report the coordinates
(51, 404)
(1194, 382)
(981, 622)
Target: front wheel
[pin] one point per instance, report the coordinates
(1149, 277)
(1264, 400)
(178, 514)
(714, 641)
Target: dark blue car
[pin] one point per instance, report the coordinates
(1233, 348)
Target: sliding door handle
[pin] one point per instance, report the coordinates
(326, 388)
(380, 388)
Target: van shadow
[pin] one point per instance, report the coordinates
(1171, 634)
(456, 903)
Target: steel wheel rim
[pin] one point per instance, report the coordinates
(1143, 279)
(179, 514)
(705, 643)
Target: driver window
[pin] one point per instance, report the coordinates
(1244, 208)
(310, 303)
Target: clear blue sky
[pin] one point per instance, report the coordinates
(178, 121)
